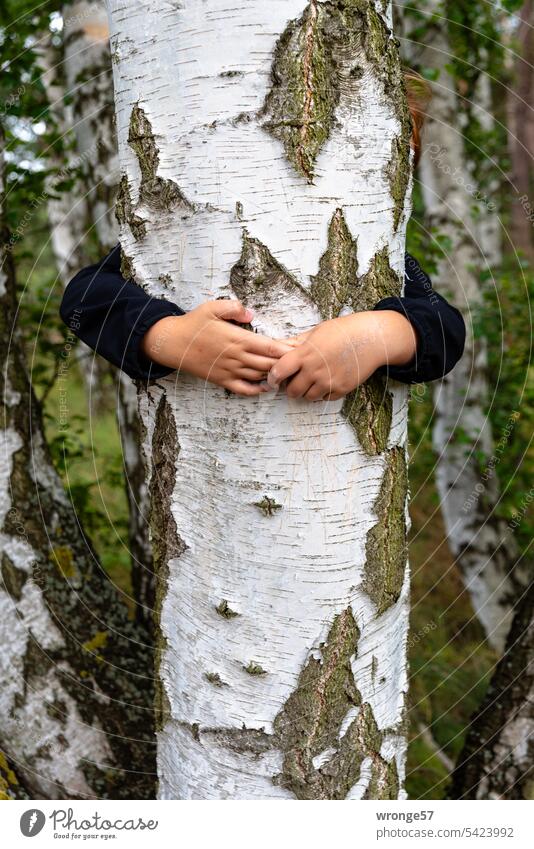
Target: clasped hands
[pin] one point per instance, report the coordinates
(326, 363)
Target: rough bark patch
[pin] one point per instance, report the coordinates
(257, 278)
(315, 61)
(369, 411)
(157, 193)
(398, 173)
(125, 212)
(166, 541)
(310, 722)
(13, 578)
(333, 287)
(386, 549)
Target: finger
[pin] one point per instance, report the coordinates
(333, 396)
(266, 347)
(249, 373)
(298, 386)
(284, 368)
(242, 387)
(315, 393)
(254, 361)
(230, 310)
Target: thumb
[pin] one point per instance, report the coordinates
(231, 310)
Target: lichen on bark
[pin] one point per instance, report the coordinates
(385, 548)
(224, 610)
(333, 286)
(268, 506)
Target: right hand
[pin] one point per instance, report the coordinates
(205, 344)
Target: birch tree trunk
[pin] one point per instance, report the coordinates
(497, 761)
(75, 703)
(480, 540)
(265, 155)
(88, 73)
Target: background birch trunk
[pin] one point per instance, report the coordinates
(480, 540)
(264, 152)
(87, 67)
(497, 760)
(69, 214)
(75, 705)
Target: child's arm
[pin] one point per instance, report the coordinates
(149, 337)
(414, 339)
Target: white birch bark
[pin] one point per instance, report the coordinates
(283, 588)
(480, 540)
(87, 66)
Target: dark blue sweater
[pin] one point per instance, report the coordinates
(111, 315)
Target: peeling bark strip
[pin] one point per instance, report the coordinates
(315, 59)
(266, 699)
(386, 549)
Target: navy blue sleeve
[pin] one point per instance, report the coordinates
(440, 328)
(111, 315)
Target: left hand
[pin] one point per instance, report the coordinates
(335, 357)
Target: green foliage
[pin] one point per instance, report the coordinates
(505, 319)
